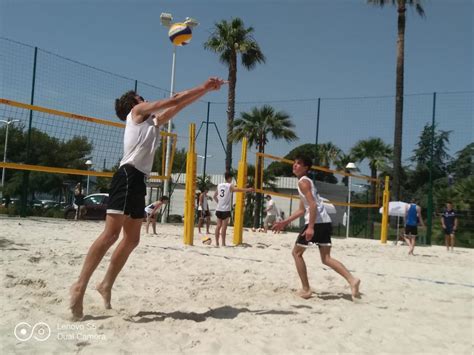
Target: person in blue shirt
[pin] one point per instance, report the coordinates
(412, 218)
(449, 222)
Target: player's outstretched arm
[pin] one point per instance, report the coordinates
(181, 99)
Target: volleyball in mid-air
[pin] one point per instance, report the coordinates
(180, 34)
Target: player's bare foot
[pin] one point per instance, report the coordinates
(106, 295)
(355, 289)
(304, 293)
(75, 304)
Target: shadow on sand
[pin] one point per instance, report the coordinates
(334, 296)
(225, 312)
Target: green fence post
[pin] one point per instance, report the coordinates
(26, 173)
(429, 223)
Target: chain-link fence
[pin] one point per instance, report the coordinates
(34, 76)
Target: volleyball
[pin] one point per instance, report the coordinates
(206, 240)
(180, 34)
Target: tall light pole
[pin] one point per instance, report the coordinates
(166, 20)
(350, 167)
(89, 164)
(8, 123)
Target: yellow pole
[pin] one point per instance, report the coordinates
(190, 189)
(386, 198)
(240, 202)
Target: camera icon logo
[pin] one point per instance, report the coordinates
(24, 331)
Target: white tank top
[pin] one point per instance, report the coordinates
(140, 142)
(223, 196)
(321, 214)
(204, 203)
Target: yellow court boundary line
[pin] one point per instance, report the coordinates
(61, 113)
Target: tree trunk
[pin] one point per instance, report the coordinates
(370, 221)
(258, 185)
(397, 142)
(231, 109)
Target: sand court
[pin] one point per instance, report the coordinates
(175, 299)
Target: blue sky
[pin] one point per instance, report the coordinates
(328, 49)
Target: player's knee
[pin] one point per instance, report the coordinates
(132, 243)
(297, 253)
(110, 238)
(326, 260)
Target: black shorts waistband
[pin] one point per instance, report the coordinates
(129, 168)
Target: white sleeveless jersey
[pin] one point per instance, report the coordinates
(224, 196)
(322, 215)
(204, 206)
(204, 203)
(140, 142)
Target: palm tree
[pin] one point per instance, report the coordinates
(377, 152)
(328, 154)
(374, 150)
(397, 142)
(230, 39)
(257, 126)
(341, 163)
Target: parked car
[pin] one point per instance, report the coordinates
(95, 207)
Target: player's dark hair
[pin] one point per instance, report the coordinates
(125, 103)
(227, 176)
(164, 198)
(305, 159)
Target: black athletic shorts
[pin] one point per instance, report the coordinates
(222, 214)
(321, 237)
(448, 230)
(411, 231)
(127, 192)
(204, 214)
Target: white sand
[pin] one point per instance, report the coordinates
(235, 300)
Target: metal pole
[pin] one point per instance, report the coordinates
(164, 216)
(26, 174)
(5, 154)
(429, 212)
(207, 135)
(317, 123)
(348, 208)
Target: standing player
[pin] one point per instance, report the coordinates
(272, 213)
(449, 222)
(223, 196)
(317, 230)
(412, 216)
(203, 210)
(128, 189)
(151, 211)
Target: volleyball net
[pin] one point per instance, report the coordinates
(45, 140)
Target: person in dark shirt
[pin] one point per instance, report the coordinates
(449, 222)
(79, 201)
